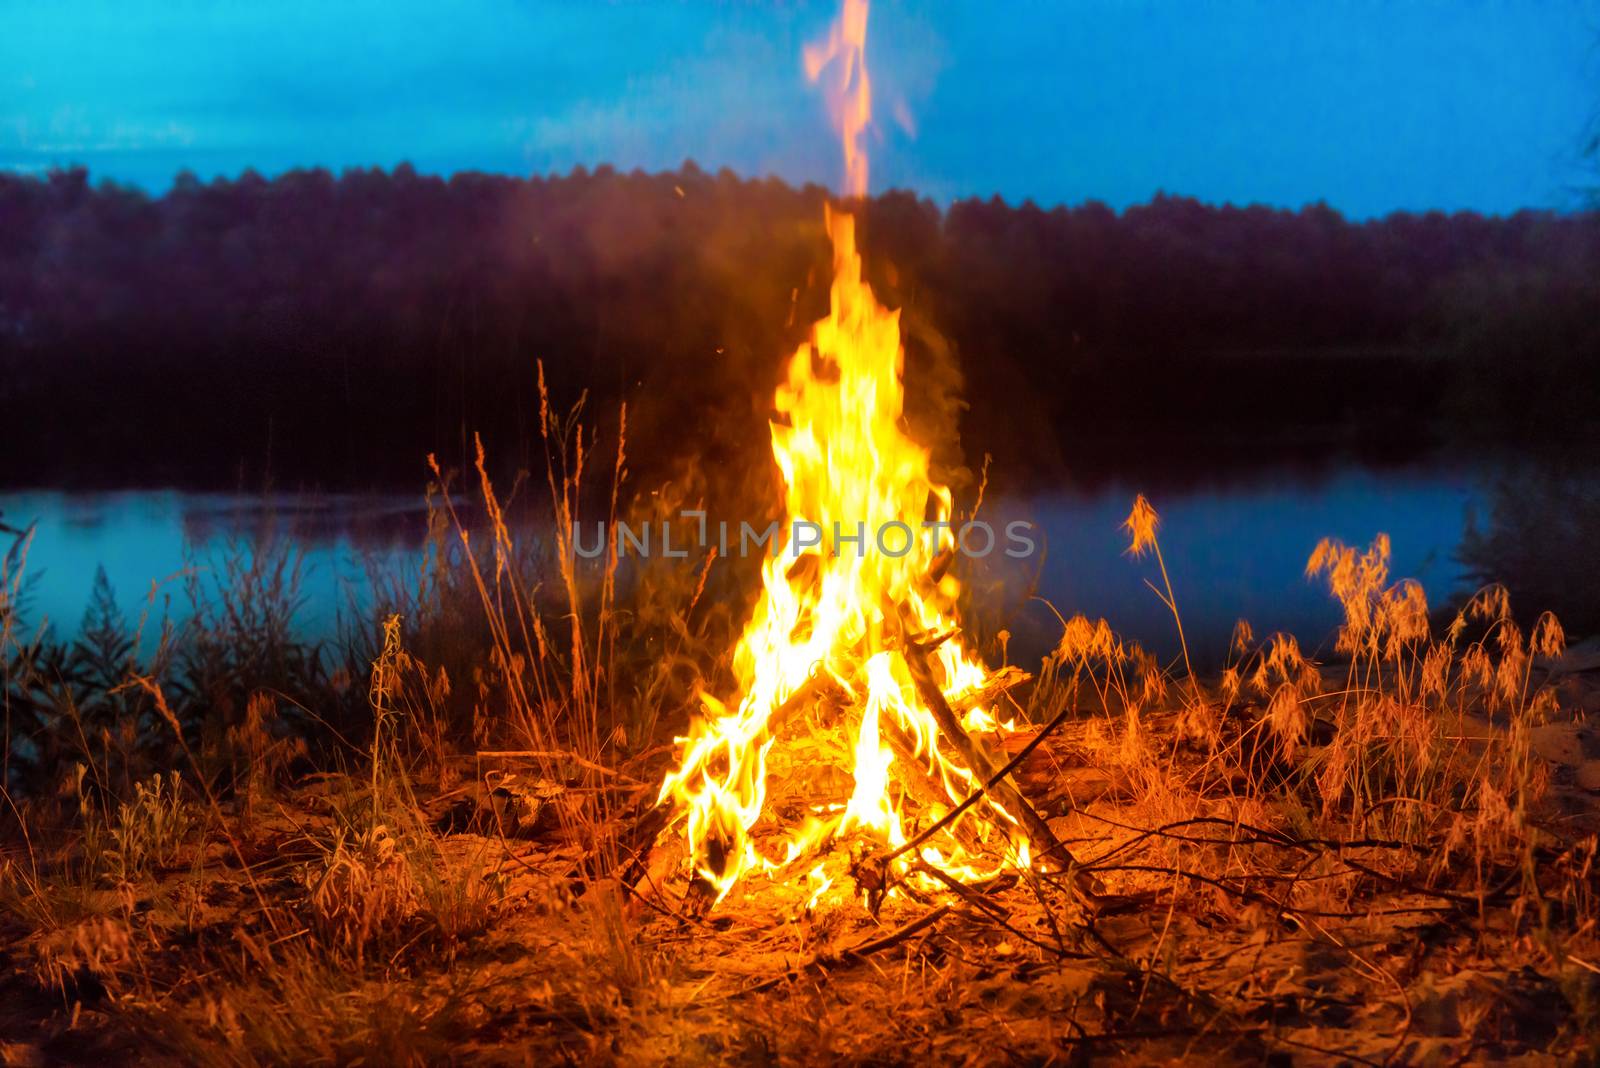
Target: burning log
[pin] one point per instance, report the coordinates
(639, 841)
(917, 781)
(1002, 681)
(1053, 852)
(940, 566)
(820, 687)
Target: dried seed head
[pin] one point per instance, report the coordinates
(1141, 526)
(1548, 637)
(1436, 671)
(1490, 604)
(1287, 718)
(1243, 637)
(1475, 666)
(1230, 684)
(1076, 638)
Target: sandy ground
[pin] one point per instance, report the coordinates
(1248, 953)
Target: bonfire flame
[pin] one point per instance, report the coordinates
(843, 55)
(840, 618)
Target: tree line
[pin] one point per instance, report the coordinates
(333, 330)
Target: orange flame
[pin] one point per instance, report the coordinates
(848, 90)
(840, 611)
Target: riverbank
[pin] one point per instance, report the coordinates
(447, 845)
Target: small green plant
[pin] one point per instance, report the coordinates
(362, 890)
(458, 900)
(258, 753)
(151, 830)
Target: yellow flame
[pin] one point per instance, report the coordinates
(823, 881)
(839, 609)
(869, 803)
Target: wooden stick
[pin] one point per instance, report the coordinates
(993, 783)
(820, 685)
(639, 842)
(976, 795)
(980, 900)
(912, 774)
(1005, 679)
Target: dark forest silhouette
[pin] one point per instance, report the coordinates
(332, 331)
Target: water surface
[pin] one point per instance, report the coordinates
(1232, 552)
(1239, 552)
(160, 547)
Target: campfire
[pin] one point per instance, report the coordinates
(856, 638)
(435, 813)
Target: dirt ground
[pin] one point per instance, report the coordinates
(1212, 941)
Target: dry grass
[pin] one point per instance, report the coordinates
(1375, 856)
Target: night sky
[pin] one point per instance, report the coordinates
(1369, 106)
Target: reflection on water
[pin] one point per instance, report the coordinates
(1536, 533)
(148, 540)
(1233, 552)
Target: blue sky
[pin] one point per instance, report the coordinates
(1371, 106)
